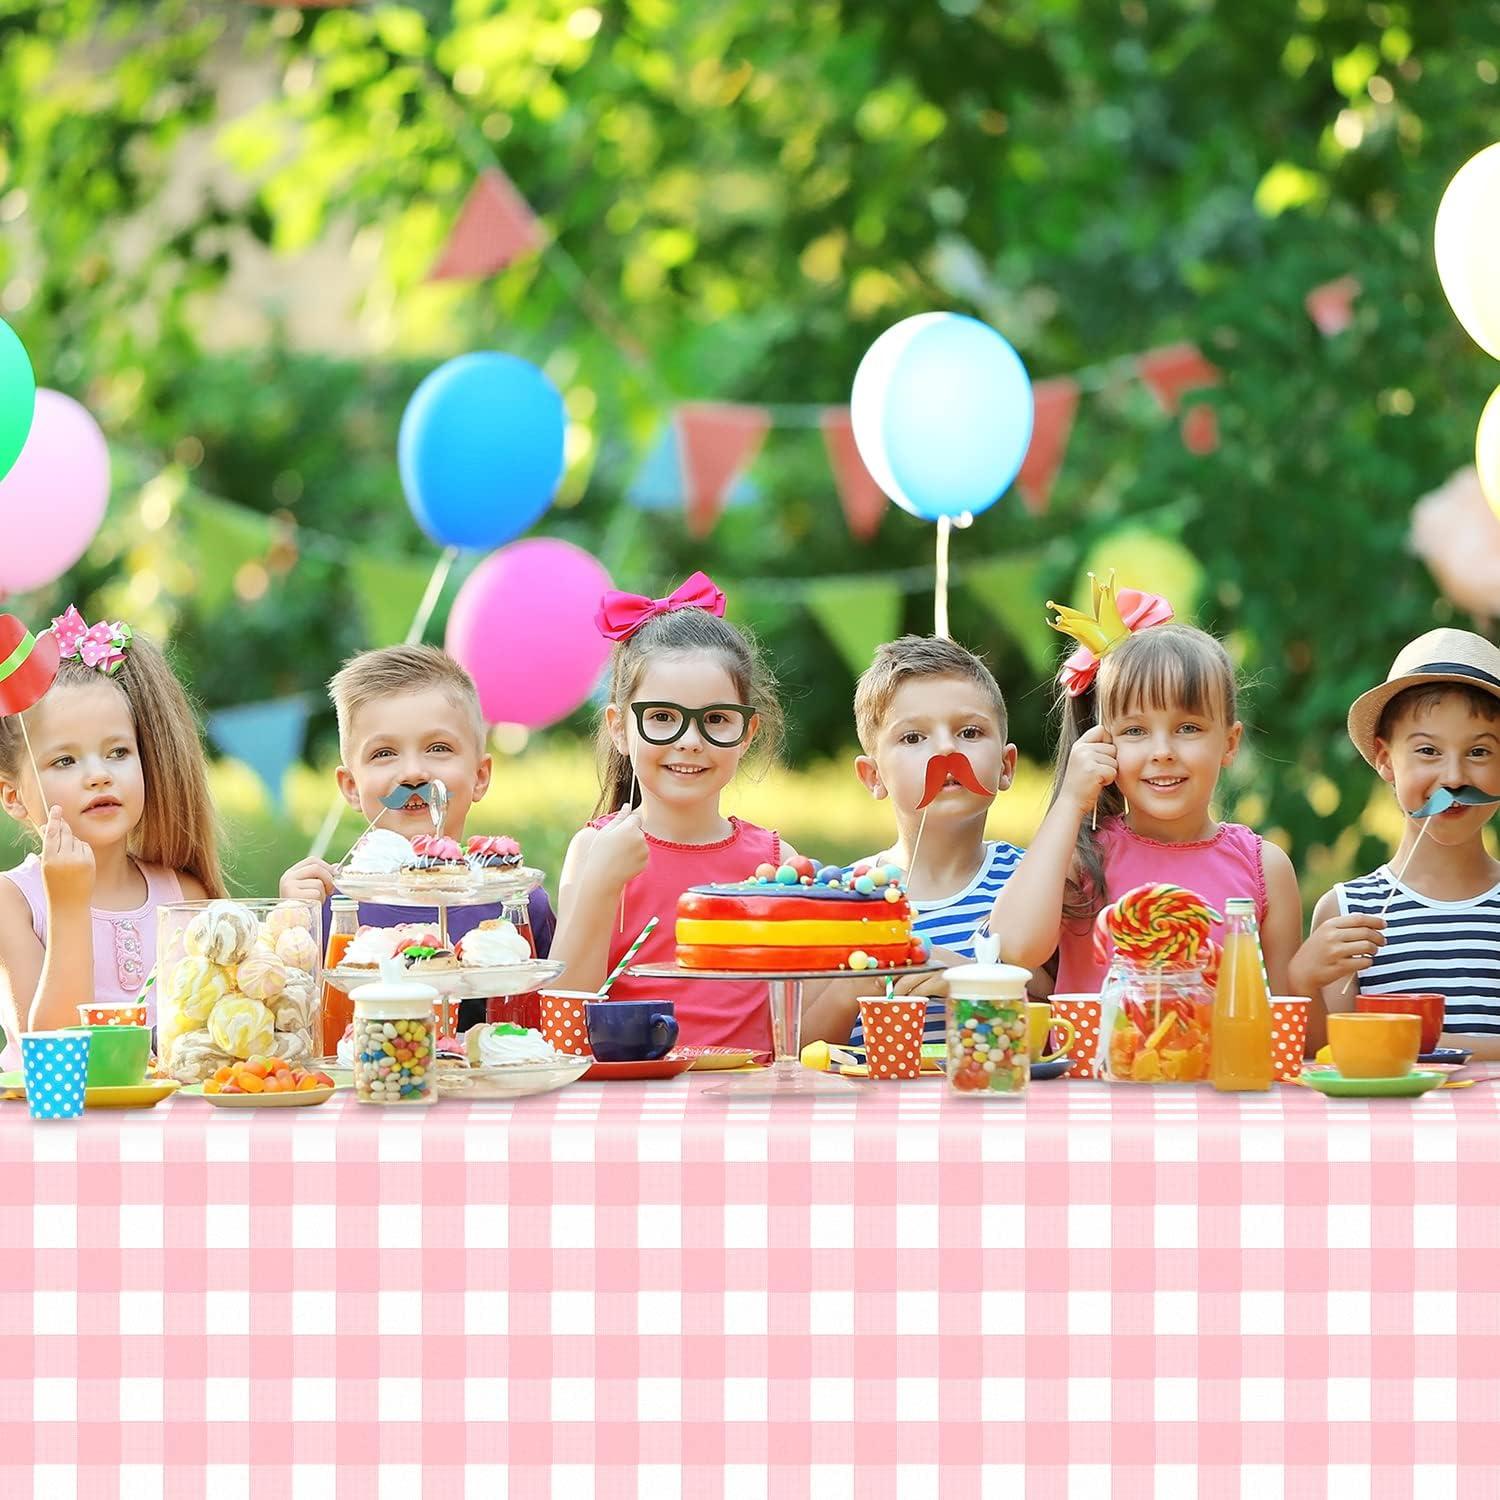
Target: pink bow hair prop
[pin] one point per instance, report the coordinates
(620, 615)
(1138, 611)
(102, 646)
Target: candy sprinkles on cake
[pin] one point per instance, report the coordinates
(800, 916)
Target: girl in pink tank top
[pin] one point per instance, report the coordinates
(1149, 722)
(125, 821)
(689, 696)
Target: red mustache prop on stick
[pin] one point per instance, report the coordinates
(955, 764)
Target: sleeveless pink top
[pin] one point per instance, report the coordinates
(709, 1014)
(1228, 864)
(124, 941)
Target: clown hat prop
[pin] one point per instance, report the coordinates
(28, 665)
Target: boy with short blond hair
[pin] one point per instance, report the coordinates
(408, 715)
(921, 697)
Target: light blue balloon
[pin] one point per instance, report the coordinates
(481, 450)
(942, 410)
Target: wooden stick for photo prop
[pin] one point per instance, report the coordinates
(28, 668)
(397, 798)
(625, 962)
(1439, 802)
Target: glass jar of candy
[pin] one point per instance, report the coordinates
(395, 1042)
(1156, 1024)
(986, 1030)
(237, 979)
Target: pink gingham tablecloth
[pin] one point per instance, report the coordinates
(629, 1290)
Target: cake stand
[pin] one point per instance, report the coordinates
(786, 1075)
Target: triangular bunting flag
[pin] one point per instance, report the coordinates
(223, 538)
(857, 615)
(1013, 592)
(719, 440)
(1331, 306)
(1200, 429)
(1056, 402)
(658, 484)
(494, 227)
(267, 737)
(1173, 371)
(390, 593)
(863, 501)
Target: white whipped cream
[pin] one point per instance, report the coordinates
(494, 947)
(381, 852)
(496, 1050)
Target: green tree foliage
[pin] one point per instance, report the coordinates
(743, 194)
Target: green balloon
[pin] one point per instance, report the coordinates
(17, 397)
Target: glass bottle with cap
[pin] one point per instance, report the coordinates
(1242, 1055)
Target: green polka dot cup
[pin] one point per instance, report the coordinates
(55, 1066)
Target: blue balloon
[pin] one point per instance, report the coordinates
(942, 411)
(481, 450)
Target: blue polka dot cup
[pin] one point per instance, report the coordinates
(55, 1066)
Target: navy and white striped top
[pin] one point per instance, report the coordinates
(953, 922)
(1449, 948)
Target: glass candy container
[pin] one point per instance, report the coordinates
(1156, 1024)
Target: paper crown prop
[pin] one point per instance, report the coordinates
(1115, 616)
(28, 665)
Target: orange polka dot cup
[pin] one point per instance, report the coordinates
(565, 1020)
(1085, 1012)
(893, 1035)
(123, 1013)
(1288, 1036)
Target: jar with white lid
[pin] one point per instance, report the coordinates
(986, 1029)
(395, 1042)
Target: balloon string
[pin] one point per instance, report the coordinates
(940, 595)
(31, 756)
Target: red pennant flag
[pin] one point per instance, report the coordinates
(863, 501)
(1056, 404)
(495, 226)
(1173, 371)
(718, 442)
(1331, 306)
(1200, 428)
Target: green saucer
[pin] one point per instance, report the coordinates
(1335, 1085)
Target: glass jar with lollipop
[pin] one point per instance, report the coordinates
(1156, 1002)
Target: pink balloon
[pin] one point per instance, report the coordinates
(53, 499)
(523, 626)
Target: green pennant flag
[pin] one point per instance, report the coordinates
(390, 592)
(1012, 590)
(222, 538)
(857, 615)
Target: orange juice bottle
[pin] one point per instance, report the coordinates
(1242, 1006)
(338, 1008)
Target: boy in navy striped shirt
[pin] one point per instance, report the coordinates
(1428, 921)
(922, 697)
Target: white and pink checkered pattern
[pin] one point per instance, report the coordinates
(628, 1290)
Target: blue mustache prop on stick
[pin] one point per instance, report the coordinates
(1440, 801)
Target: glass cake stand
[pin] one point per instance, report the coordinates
(786, 1075)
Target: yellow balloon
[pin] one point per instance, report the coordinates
(1465, 240)
(1147, 561)
(1487, 451)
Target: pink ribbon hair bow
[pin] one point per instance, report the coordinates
(102, 646)
(620, 615)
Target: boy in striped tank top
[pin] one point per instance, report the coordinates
(1428, 921)
(922, 697)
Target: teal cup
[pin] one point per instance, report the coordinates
(55, 1065)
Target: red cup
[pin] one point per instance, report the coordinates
(1288, 1036)
(893, 1035)
(1429, 1007)
(114, 1013)
(1085, 1012)
(564, 1020)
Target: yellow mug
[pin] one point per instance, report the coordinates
(1371, 1045)
(1040, 1026)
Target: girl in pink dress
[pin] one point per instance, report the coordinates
(1148, 711)
(126, 826)
(689, 696)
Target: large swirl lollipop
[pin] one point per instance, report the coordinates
(1163, 925)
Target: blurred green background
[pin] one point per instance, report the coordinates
(218, 219)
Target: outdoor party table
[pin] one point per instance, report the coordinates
(630, 1289)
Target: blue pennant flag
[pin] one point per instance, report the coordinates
(267, 737)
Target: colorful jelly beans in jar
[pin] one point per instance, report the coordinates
(987, 1022)
(395, 1043)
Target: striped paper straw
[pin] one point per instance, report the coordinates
(630, 953)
